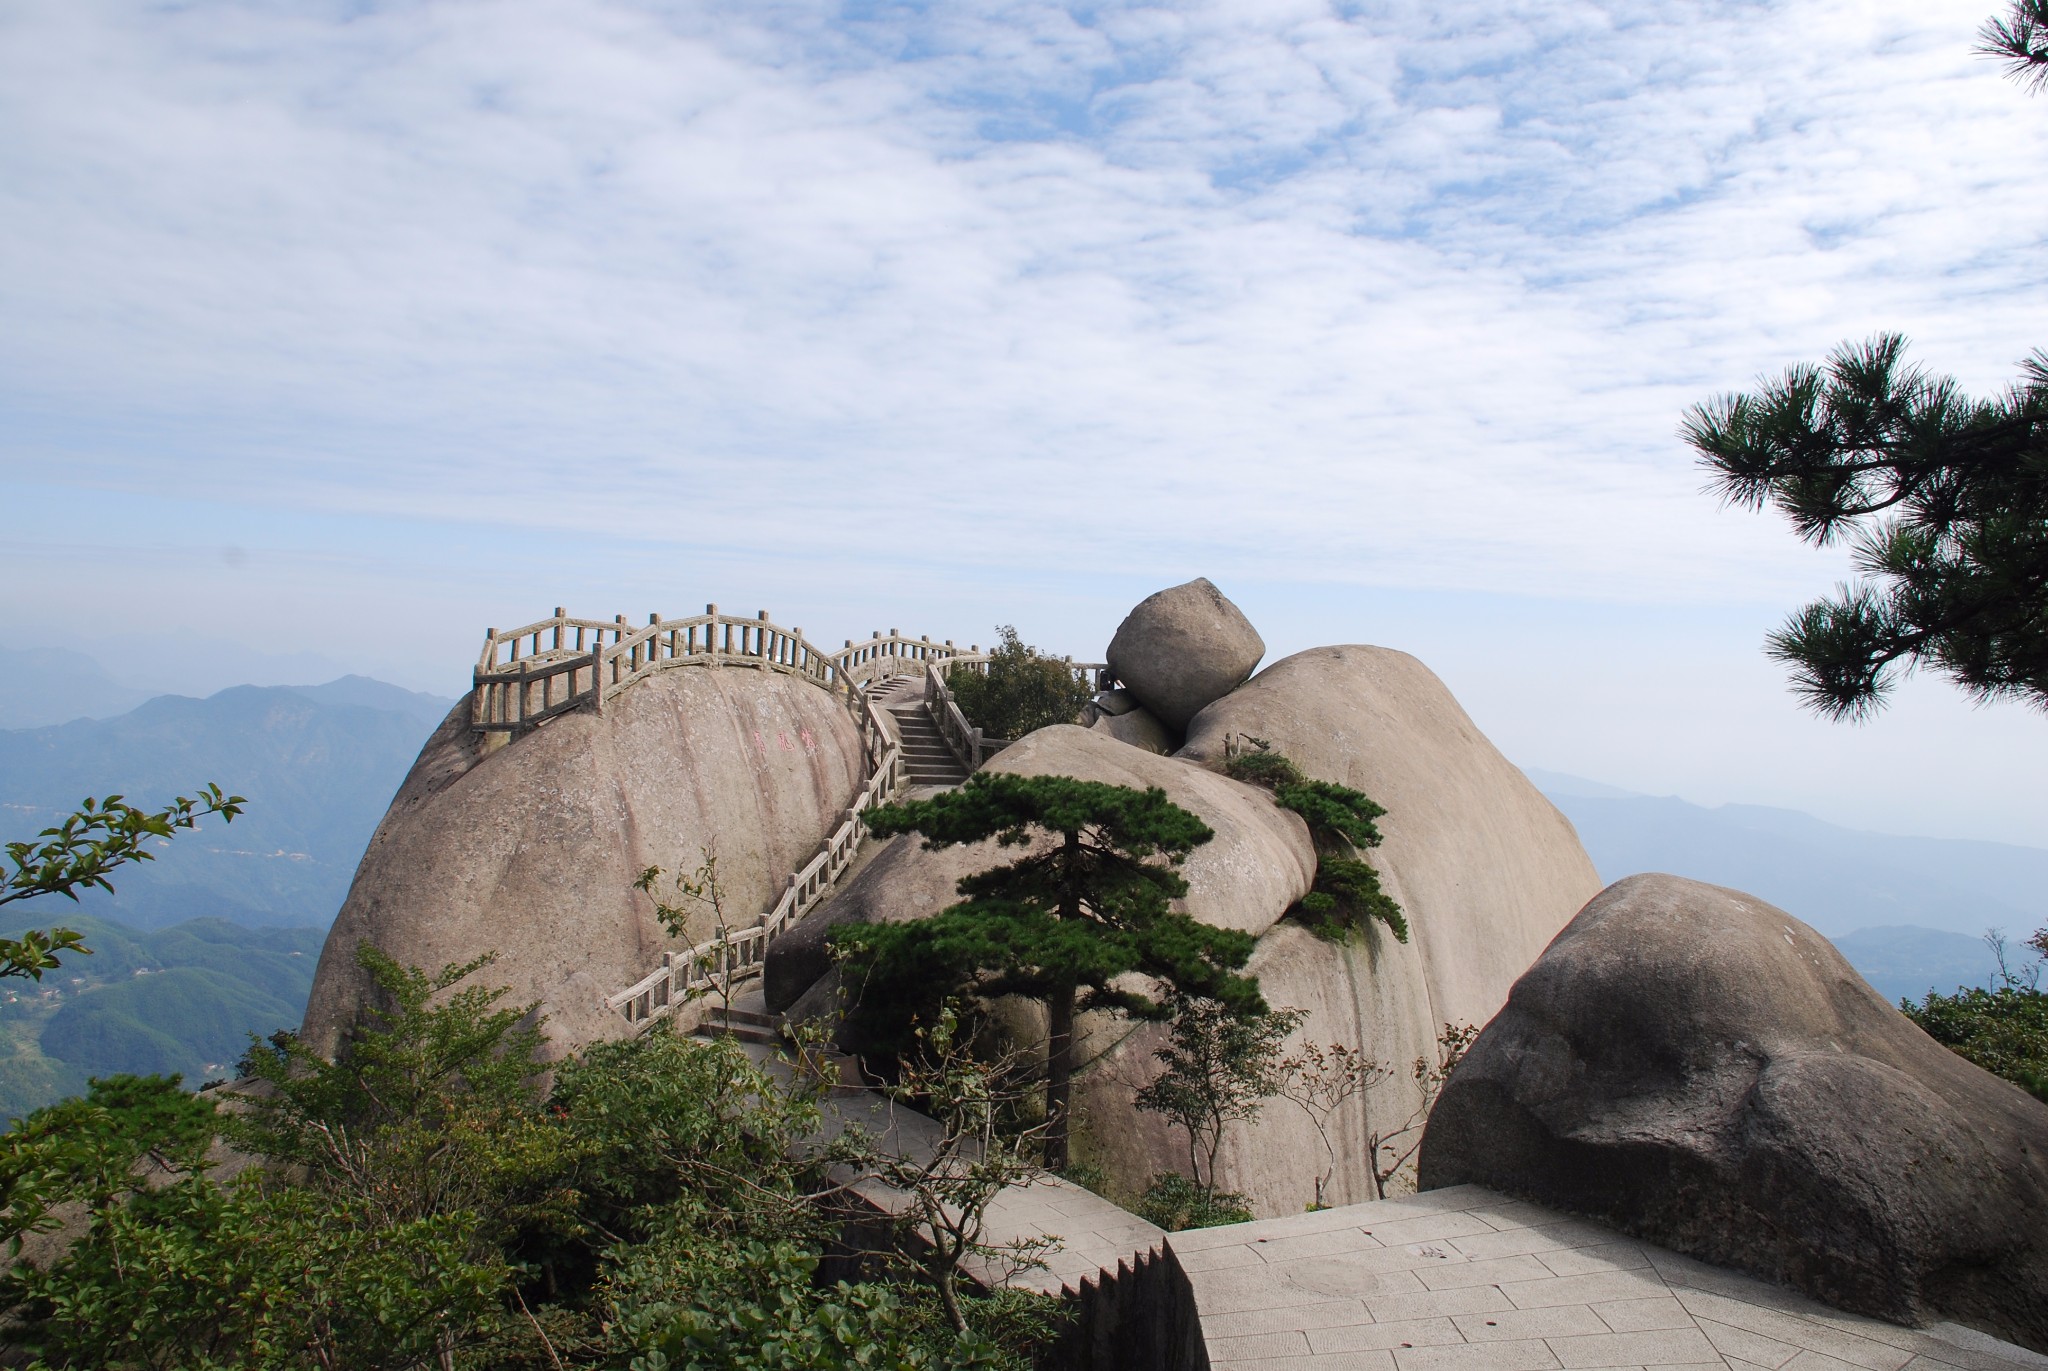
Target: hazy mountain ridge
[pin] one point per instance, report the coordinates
(1909, 913)
(318, 764)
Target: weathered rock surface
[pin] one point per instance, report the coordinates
(1182, 649)
(1486, 868)
(1138, 728)
(1259, 863)
(530, 850)
(1706, 1071)
(1367, 992)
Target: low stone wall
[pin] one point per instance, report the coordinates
(1140, 1315)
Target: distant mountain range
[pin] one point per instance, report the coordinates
(318, 764)
(1909, 913)
(54, 685)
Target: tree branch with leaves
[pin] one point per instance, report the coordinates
(95, 840)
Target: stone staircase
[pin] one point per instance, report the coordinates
(746, 1020)
(927, 761)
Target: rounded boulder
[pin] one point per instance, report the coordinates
(1182, 649)
(1700, 1068)
(529, 849)
(1487, 869)
(1259, 863)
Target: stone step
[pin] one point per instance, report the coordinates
(739, 1032)
(752, 1018)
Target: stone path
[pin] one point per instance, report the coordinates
(1468, 1280)
(1094, 1234)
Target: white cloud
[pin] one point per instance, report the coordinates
(1354, 293)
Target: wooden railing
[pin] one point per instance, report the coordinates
(528, 675)
(533, 673)
(737, 954)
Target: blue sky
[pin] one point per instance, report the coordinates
(351, 329)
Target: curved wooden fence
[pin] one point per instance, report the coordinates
(528, 675)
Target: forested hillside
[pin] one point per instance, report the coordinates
(179, 1000)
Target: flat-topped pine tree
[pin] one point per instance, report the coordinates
(1061, 924)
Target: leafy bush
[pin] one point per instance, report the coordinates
(2005, 1031)
(1174, 1202)
(1023, 689)
(665, 1207)
(1263, 768)
(1347, 895)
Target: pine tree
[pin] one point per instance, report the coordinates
(1945, 498)
(1061, 925)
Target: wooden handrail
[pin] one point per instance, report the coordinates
(527, 675)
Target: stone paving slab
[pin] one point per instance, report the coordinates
(1465, 1279)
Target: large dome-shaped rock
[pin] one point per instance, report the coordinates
(1259, 863)
(1183, 648)
(1704, 1070)
(1486, 868)
(530, 849)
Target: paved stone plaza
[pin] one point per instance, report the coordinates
(1465, 1279)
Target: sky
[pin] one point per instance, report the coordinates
(335, 333)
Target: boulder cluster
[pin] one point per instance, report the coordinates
(1681, 1061)
(1485, 867)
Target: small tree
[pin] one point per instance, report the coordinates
(1022, 689)
(1318, 1080)
(949, 1182)
(430, 1109)
(1388, 1152)
(1064, 925)
(699, 892)
(1220, 1067)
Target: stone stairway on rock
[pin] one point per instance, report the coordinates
(746, 1018)
(927, 761)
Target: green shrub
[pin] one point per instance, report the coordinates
(1263, 768)
(2005, 1031)
(1347, 896)
(1174, 1202)
(1023, 689)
